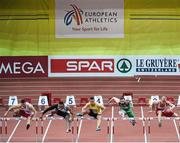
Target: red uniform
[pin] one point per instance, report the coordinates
(25, 111)
(164, 107)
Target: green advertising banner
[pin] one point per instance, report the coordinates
(27, 27)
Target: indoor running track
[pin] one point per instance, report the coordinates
(54, 130)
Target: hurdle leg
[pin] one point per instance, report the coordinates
(0, 126)
(77, 126)
(149, 128)
(4, 130)
(143, 126)
(112, 130)
(72, 131)
(36, 129)
(5, 124)
(1, 130)
(108, 128)
(179, 125)
(41, 128)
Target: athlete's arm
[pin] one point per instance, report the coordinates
(172, 106)
(153, 107)
(85, 107)
(71, 112)
(102, 108)
(49, 109)
(12, 108)
(33, 109)
(115, 99)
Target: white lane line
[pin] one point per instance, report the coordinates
(145, 134)
(46, 131)
(79, 131)
(13, 131)
(175, 125)
(112, 124)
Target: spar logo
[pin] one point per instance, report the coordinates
(75, 13)
(82, 65)
(124, 65)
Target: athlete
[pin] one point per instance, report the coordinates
(163, 108)
(24, 109)
(62, 110)
(93, 109)
(125, 108)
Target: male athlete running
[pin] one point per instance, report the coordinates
(64, 111)
(125, 108)
(93, 109)
(24, 109)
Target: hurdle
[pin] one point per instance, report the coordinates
(4, 125)
(53, 119)
(92, 118)
(5, 121)
(129, 119)
(162, 118)
(39, 123)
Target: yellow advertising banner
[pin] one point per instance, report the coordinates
(150, 28)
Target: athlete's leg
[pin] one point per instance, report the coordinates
(68, 119)
(175, 115)
(130, 114)
(98, 122)
(28, 122)
(122, 113)
(85, 112)
(159, 114)
(52, 114)
(16, 113)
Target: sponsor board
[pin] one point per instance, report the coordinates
(157, 65)
(84, 66)
(88, 66)
(89, 19)
(23, 66)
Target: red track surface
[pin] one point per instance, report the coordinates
(124, 131)
(107, 87)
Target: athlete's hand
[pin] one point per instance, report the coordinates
(72, 118)
(41, 117)
(167, 110)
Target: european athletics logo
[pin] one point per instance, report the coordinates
(76, 13)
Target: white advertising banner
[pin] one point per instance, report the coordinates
(112, 66)
(89, 18)
(157, 65)
(94, 66)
